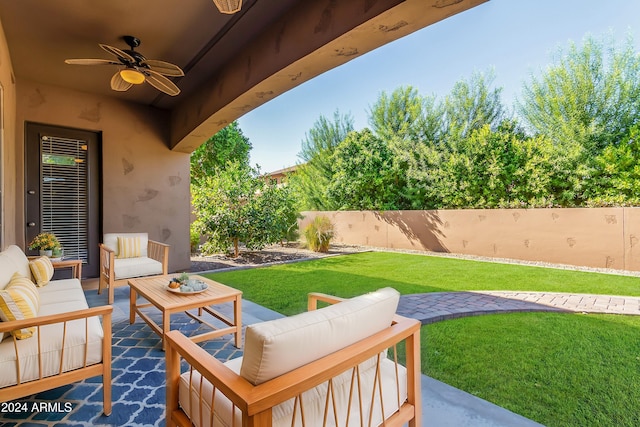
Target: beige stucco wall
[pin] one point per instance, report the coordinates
(145, 185)
(7, 146)
(599, 237)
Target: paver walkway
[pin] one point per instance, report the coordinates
(437, 306)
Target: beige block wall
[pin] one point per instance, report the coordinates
(145, 185)
(8, 155)
(598, 237)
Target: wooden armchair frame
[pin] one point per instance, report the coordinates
(28, 388)
(256, 402)
(155, 250)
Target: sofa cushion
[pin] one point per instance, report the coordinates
(42, 270)
(126, 268)
(129, 247)
(19, 300)
(110, 240)
(279, 346)
(13, 260)
(58, 294)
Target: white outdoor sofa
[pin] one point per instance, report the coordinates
(334, 366)
(151, 259)
(68, 344)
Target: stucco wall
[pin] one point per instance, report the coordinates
(599, 237)
(145, 185)
(7, 146)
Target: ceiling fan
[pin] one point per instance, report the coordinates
(136, 69)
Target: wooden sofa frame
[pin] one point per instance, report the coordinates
(256, 402)
(155, 250)
(62, 378)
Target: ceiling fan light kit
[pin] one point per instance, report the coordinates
(228, 6)
(132, 76)
(136, 68)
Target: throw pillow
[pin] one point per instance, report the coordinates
(19, 300)
(129, 247)
(42, 270)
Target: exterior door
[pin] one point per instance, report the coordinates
(63, 190)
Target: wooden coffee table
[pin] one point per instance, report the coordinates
(153, 289)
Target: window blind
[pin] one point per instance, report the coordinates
(64, 193)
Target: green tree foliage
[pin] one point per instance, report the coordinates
(578, 147)
(400, 115)
(492, 169)
(473, 104)
(615, 179)
(364, 177)
(590, 95)
(228, 145)
(314, 175)
(235, 205)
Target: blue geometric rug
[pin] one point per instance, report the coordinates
(138, 383)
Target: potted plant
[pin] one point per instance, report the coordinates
(46, 243)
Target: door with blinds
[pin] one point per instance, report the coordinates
(63, 190)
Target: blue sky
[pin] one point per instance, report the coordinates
(515, 38)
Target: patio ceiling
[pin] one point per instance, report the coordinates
(233, 63)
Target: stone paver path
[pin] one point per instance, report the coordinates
(437, 306)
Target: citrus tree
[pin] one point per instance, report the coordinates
(235, 205)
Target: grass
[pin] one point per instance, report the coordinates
(557, 369)
(351, 275)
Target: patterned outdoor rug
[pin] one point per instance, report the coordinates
(138, 373)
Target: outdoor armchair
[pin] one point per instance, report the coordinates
(335, 366)
(127, 255)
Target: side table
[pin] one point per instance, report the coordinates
(74, 264)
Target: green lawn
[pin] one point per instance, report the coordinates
(557, 369)
(352, 275)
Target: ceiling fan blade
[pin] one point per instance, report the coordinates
(119, 53)
(164, 68)
(88, 61)
(161, 83)
(118, 83)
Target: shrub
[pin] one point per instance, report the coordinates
(194, 238)
(319, 234)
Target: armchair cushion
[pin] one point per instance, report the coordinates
(42, 270)
(279, 346)
(19, 300)
(110, 240)
(129, 247)
(126, 268)
(194, 390)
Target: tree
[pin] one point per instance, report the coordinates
(615, 178)
(489, 169)
(236, 205)
(590, 95)
(473, 104)
(313, 176)
(228, 145)
(401, 115)
(364, 177)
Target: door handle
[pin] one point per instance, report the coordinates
(31, 224)
(31, 192)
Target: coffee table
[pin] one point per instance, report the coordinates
(154, 290)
